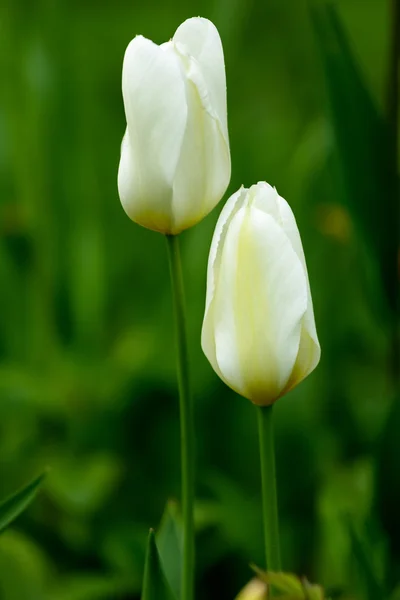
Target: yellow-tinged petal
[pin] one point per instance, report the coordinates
(254, 590)
(258, 330)
(175, 160)
(156, 114)
(260, 300)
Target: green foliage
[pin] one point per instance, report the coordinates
(169, 544)
(387, 492)
(363, 144)
(13, 506)
(396, 594)
(155, 585)
(363, 555)
(91, 587)
(24, 567)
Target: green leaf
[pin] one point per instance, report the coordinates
(364, 145)
(13, 506)
(155, 585)
(169, 544)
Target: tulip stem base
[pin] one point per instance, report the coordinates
(268, 483)
(186, 419)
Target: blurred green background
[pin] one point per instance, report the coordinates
(87, 369)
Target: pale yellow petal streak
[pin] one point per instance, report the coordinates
(262, 299)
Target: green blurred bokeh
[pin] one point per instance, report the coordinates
(87, 369)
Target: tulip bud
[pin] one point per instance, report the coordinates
(175, 162)
(258, 330)
(254, 590)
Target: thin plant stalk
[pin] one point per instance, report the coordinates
(186, 419)
(268, 484)
(392, 115)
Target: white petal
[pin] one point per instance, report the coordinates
(156, 113)
(265, 197)
(202, 41)
(289, 224)
(309, 351)
(213, 268)
(260, 300)
(204, 168)
(268, 200)
(307, 357)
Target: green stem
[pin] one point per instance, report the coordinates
(393, 122)
(268, 482)
(186, 419)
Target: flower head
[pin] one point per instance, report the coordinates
(175, 161)
(258, 330)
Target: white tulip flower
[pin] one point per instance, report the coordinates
(175, 162)
(258, 330)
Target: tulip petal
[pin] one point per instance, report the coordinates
(307, 357)
(310, 350)
(260, 300)
(207, 334)
(204, 168)
(202, 41)
(156, 113)
(267, 199)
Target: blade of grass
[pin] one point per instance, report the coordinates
(155, 586)
(14, 505)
